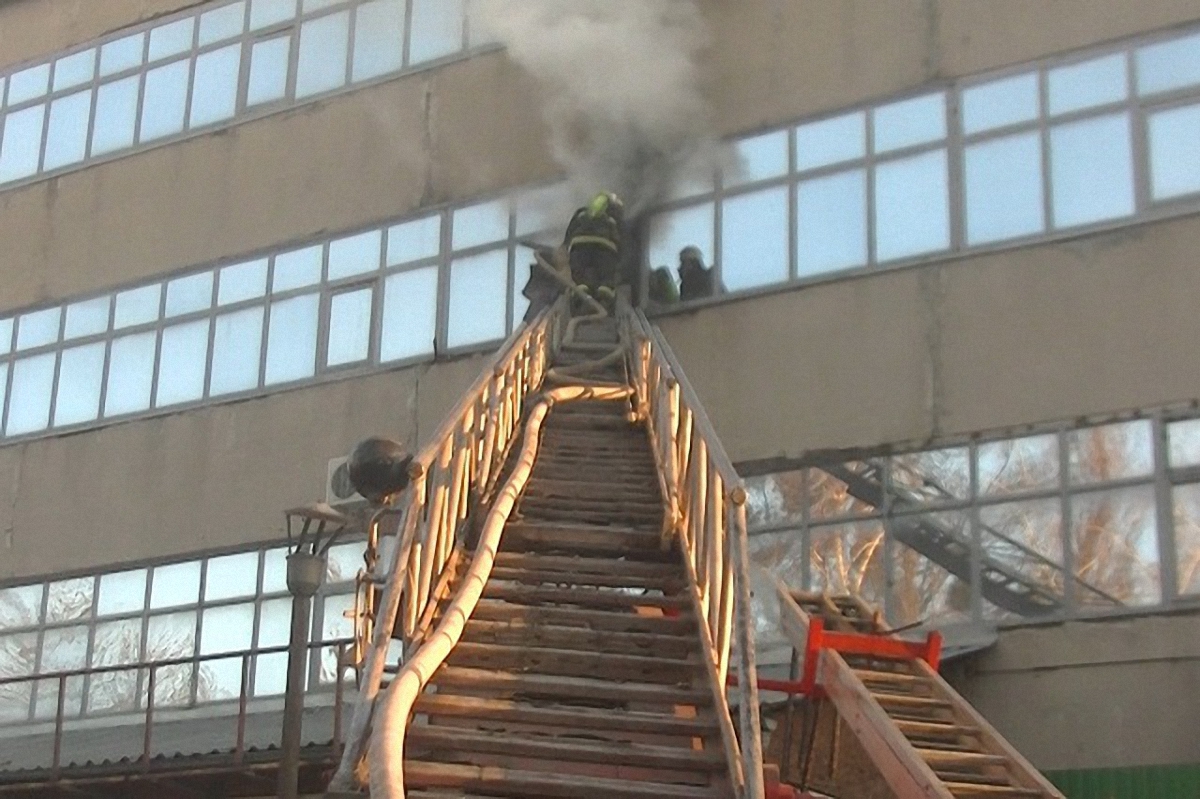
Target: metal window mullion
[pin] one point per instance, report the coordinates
(1139, 140)
(793, 185)
(351, 28)
(324, 313)
(889, 576)
(1043, 121)
(1168, 552)
(57, 349)
(869, 162)
(89, 650)
(406, 45)
(268, 303)
(241, 99)
(91, 128)
(211, 315)
(41, 158)
(956, 174)
(1067, 527)
(4, 408)
(200, 607)
(293, 64)
(446, 259)
(159, 327)
(718, 241)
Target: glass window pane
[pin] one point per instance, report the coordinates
(831, 227)
(137, 306)
(87, 318)
(831, 141)
(378, 39)
(322, 60)
(80, 375)
(754, 239)
(1186, 499)
(1183, 439)
(1169, 65)
(172, 39)
(912, 206)
(175, 584)
(122, 54)
(116, 113)
(349, 326)
(63, 649)
(275, 570)
(1091, 170)
(848, 558)
(414, 241)
(1004, 188)
(480, 224)
(1114, 537)
(242, 282)
(230, 576)
(922, 591)
(6, 335)
(74, 69)
(520, 303)
(237, 345)
(759, 158)
(690, 185)
(540, 210)
(29, 400)
(38, 328)
(227, 629)
(222, 23)
(1000, 102)
(269, 12)
(478, 299)
(292, 340)
(274, 623)
(22, 143)
(670, 232)
(189, 294)
(67, 600)
(1091, 83)
(165, 101)
(409, 314)
(28, 84)
(437, 29)
(270, 674)
(182, 364)
(355, 255)
(18, 657)
(336, 625)
(344, 561)
(66, 139)
(20, 606)
(1175, 152)
(215, 89)
(167, 637)
(268, 70)
(910, 122)
(122, 592)
(1016, 465)
(130, 374)
(1026, 537)
(1112, 452)
(117, 643)
(296, 269)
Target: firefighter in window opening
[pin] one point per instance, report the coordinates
(695, 279)
(663, 291)
(542, 289)
(594, 246)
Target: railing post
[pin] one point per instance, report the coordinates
(151, 689)
(56, 767)
(752, 755)
(239, 751)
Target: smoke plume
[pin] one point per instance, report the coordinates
(621, 88)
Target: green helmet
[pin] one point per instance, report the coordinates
(605, 203)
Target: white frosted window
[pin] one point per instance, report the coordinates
(831, 223)
(355, 255)
(182, 363)
(116, 115)
(322, 61)
(831, 141)
(672, 231)
(1175, 152)
(6, 334)
(222, 23)
(29, 398)
(22, 607)
(117, 643)
(1091, 170)
(189, 294)
(274, 623)
(910, 122)
(754, 239)
(69, 599)
(122, 54)
(87, 318)
(80, 374)
(63, 649)
(172, 39)
(167, 637)
(414, 241)
(28, 84)
(378, 39)
(165, 101)
(478, 299)
(1004, 188)
(130, 374)
(480, 224)
(275, 571)
(226, 629)
(270, 674)
(541, 210)
(237, 345)
(175, 585)
(759, 158)
(1007, 101)
(242, 282)
(409, 314)
(66, 138)
(74, 69)
(296, 269)
(22, 143)
(343, 562)
(912, 206)
(1169, 65)
(231, 576)
(1092, 83)
(215, 89)
(3, 395)
(437, 29)
(292, 339)
(137, 306)
(268, 70)
(264, 13)
(38, 328)
(349, 327)
(122, 592)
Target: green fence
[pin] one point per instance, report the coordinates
(1142, 782)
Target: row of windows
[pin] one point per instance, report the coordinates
(207, 606)
(1004, 159)
(207, 68)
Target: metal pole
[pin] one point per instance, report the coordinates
(305, 573)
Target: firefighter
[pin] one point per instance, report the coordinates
(594, 240)
(695, 279)
(542, 289)
(663, 290)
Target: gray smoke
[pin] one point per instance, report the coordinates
(621, 88)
